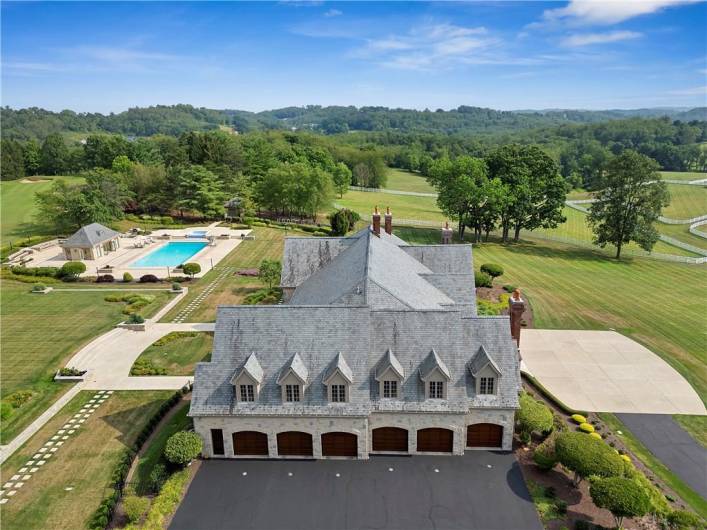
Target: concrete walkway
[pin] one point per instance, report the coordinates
(603, 371)
(670, 443)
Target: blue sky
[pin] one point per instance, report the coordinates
(106, 57)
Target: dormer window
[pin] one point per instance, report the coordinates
(485, 372)
(436, 390)
(487, 385)
(390, 388)
(390, 376)
(293, 379)
(292, 393)
(338, 378)
(247, 392)
(435, 375)
(338, 393)
(246, 381)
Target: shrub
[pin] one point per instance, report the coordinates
(182, 447)
(166, 502)
(578, 418)
(166, 220)
(621, 496)
(5, 410)
(558, 423)
(533, 416)
(158, 476)
(146, 367)
(149, 278)
(70, 371)
(684, 520)
(342, 221)
(37, 287)
(134, 318)
(176, 286)
(135, 507)
(127, 277)
(544, 455)
(191, 269)
(586, 427)
(492, 269)
(509, 288)
(72, 269)
(19, 398)
(481, 279)
(587, 456)
(269, 272)
(105, 278)
(595, 435)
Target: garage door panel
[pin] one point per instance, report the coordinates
(339, 444)
(435, 440)
(294, 443)
(484, 435)
(390, 439)
(250, 443)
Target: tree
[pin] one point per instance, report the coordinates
(621, 496)
(631, 202)
(72, 269)
(12, 164)
(342, 178)
(182, 447)
(191, 269)
(54, 155)
(586, 456)
(32, 157)
(198, 190)
(121, 165)
(100, 150)
(342, 221)
(269, 271)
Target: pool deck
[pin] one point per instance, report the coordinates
(121, 259)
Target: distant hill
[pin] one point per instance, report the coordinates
(36, 123)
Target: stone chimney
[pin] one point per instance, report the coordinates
(447, 234)
(376, 226)
(388, 221)
(516, 306)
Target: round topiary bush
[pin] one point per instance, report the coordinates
(72, 269)
(586, 427)
(134, 318)
(621, 496)
(191, 269)
(533, 416)
(127, 277)
(492, 269)
(587, 456)
(578, 418)
(595, 435)
(544, 455)
(626, 458)
(481, 279)
(182, 447)
(37, 287)
(134, 507)
(176, 286)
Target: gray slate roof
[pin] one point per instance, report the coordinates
(481, 360)
(90, 236)
(431, 363)
(389, 360)
(339, 365)
(252, 368)
(295, 366)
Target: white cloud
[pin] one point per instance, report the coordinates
(333, 13)
(585, 39)
(693, 91)
(608, 12)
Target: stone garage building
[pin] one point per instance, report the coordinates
(90, 242)
(378, 349)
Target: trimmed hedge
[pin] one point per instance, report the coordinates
(492, 269)
(105, 278)
(481, 279)
(586, 427)
(135, 507)
(182, 447)
(621, 496)
(578, 418)
(533, 416)
(149, 278)
(127, 277)
(587, 456)
(544, 455)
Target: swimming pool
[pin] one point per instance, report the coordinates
(170, 255)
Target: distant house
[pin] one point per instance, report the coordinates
(91, 242)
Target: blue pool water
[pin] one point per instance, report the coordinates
(170, 255)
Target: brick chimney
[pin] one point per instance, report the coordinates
(388, 221)
(516, 306)
(447, 234)
(376, 226)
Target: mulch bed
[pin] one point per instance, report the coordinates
(494, 293)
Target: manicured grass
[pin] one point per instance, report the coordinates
(659, 304)
(268, 244)
(695, 425)
(40, 333)
(153, 453)
(178, 352)
(402, 206)
(18, 208)
(401, 180)
(687, 494)
(682, 233)
(683, 175)
(686, 202)
(65, 492)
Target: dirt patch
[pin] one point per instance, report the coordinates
(493, 294)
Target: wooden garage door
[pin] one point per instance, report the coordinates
(435, 440)
(339, 444)
(390, 439)
(484, 435)
(294, 443)
(250, 443)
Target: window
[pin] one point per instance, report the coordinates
(247, 393)
(390, 389)
(291, 393)
(217, 441)
(436, 390)
(338, 393)
(486, 385)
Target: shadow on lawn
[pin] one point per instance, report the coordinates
(128, 422)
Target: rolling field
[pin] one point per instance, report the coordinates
(686, 202)
(402, 206)
(683, 175)
(64, 493)
(18, 209)
(401, 180)
(39, 333)
(659, 304)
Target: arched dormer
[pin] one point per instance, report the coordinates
(247, 380)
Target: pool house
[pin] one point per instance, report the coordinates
(90, 242)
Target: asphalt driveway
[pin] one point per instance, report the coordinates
(479, 491)
(672, 445)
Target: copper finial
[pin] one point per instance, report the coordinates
(516, 294)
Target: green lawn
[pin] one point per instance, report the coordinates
(659, 304)
(64, 493)
(178, 352)
(401, 180)
(18, 208)
(402, 206)
(695, 425)
(682, 233)
(39, 333)
(268, 244)
(683, 175)
(686, 202)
